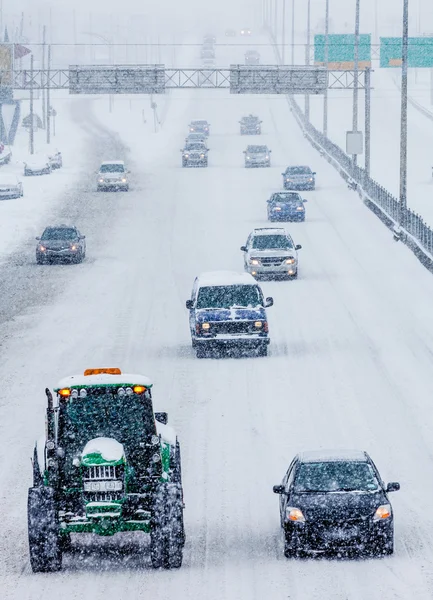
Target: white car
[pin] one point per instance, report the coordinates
(271, 252)
(112, 175)
(10, 187)
(37, 165)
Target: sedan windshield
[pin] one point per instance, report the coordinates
(271, 242)
(59, 233)
(196, 147)
(112, 168)
(229, 296)
(292, 199)
(257, 149)
(329, 477)
(298, 171)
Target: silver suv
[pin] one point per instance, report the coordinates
(271, 252)
(112, 175)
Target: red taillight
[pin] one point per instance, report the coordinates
(265, 327)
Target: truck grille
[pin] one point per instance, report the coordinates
(272, 261)
(103, 483)
(233, 327)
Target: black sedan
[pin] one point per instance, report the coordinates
(335, 502)
(61, 242)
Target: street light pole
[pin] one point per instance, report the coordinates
(307, 58)
(293, 32)
(283, 33)
(326, 59)
(403, 131)
(356, 77)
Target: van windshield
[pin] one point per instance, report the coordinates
(229, 296)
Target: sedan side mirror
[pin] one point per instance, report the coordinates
(38, 238)
(161, 417)
(314, 173)
(82, 237)
(269, 302)
(189, 304)
(393, 486)
(298, 247)
(243, 248)
(304, 200)
(278, 489)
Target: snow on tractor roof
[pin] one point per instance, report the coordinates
(213, 278)
(333, 456)
(101, 379)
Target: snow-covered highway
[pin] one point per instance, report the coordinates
(350, 362)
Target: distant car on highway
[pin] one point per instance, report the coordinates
(37, 165)
(10, 187)
(230, 33)
(335, 501)
(252, 57)
(286, 206)
(113, 176)
(227, 311)
(194, 154)
(271, 252)
(207, 52)
(299, 178)
(209, 39)
(250, 125)
(61, 242)
(257, 156)
(199, 126)
(246, 31)
(56, 160)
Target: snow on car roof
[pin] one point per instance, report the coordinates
(269, 231)
(103, 379)
(213, 278)
(332, 456)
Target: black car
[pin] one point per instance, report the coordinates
(286, 206)
(335, 501)
(61, 242)
(299, 178)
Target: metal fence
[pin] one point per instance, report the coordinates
(412, 229)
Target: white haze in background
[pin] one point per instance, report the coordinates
(69, 21)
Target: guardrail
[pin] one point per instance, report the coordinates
(407, 226)
(414, 232)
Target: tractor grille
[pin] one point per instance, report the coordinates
(103, 483)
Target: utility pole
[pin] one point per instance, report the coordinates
(44, 39)
(293, 32)
(276, 21)
(49, 96)
(356, 77)
(403, 131)
(31, 131)
(283, 33)
(367, 120)
(307, 58)
(325, 97)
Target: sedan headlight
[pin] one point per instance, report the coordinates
(254, 261)
(258, 324)
(73, 247)
(383, 512)
(248, 157)
(205, 326)
(311, 179)
(201, 155)
(290, 261)
(277, 208)
(295, 514)
(288, 180)
(42, 248)
(186, 155)
(267, 157)
(300, 208)
(101, 181)
(123, 179)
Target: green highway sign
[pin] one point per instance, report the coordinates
(341, 51)
(419, 52)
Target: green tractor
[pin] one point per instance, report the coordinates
(107, 464)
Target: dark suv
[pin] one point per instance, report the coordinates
(62, 242)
